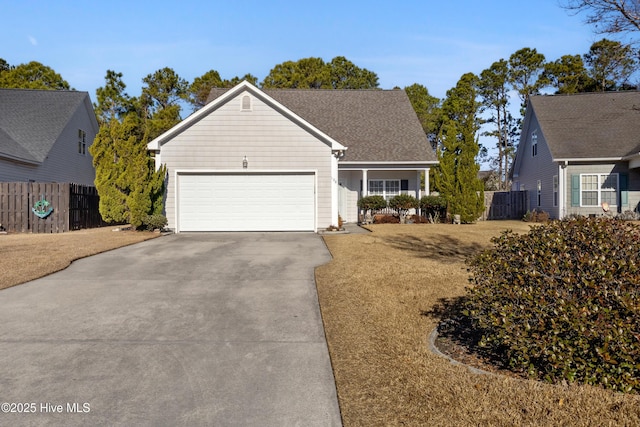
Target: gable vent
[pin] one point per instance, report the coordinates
(246, 103)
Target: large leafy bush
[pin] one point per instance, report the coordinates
(563, 301)
(372, 203)
(403, 203)
(434, 208)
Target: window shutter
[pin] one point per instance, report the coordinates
(404, 185)
(361, 188)
(575, 190)
(624, 189)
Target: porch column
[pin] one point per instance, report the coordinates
(426, 182)
(365, 184)
(562, 182)
(334, 190)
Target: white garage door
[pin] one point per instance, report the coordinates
(246, 202)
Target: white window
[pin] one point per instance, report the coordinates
(534, 144)
(555, 190)
(596, 189)
(386, 188)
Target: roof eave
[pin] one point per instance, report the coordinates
(591, 159)
(19, 159)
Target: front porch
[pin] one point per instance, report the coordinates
(357, 182)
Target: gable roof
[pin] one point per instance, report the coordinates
(375, 125)
(32, 120)
(228, 94)
(600, 125)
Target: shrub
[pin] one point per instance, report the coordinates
(372, 203)
(154, 222)
(628, 216)
(386, 219)
(434, 208)
(402, 203)
(536, 216)
(563, 301)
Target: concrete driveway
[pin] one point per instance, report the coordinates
(190, 329)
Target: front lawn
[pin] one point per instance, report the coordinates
(374, 296)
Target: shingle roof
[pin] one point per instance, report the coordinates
(32, 120)
(590, 125)
(375, 125)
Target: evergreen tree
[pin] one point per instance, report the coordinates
(427, 109)
(33, 75)
(493, 89)
(525, 68)
(610, 64)
(567, 75)
(130, 188)
(199, 90)
(456, 176)
(314, 73)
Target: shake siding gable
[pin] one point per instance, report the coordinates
(270, 141)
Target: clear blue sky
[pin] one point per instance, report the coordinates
(431, 42)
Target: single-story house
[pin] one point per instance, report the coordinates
(45, 136)
(289, 159)
(580, 154)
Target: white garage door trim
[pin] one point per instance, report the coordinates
(226, 200)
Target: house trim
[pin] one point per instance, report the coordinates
(592, 159)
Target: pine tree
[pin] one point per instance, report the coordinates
(129, 186)
(456, 176)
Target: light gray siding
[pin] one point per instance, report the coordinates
(270, 141)
(620, 168)
(533, 168)
(63, 163)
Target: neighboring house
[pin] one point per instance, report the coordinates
(578, 152)
(285, 160)
(45, 136)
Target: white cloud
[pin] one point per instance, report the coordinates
(33, 41)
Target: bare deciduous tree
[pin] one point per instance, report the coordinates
(609, 16)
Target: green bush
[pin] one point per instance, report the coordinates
(370, 203)
(402, 203)
(563, 301)
(154, 222)
(434, 208)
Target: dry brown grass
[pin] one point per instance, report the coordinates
(373, 295)
(26, 257)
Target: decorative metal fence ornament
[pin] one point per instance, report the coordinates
(42, 208)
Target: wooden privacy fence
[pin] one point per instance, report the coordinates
(24, 207)
(505, 204)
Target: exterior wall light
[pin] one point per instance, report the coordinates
(245, 163)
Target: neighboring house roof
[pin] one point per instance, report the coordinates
(374, 125)
(32, 120)
(598, 125)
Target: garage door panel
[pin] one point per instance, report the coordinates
(246, 202)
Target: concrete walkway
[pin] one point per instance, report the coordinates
(191, 329)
